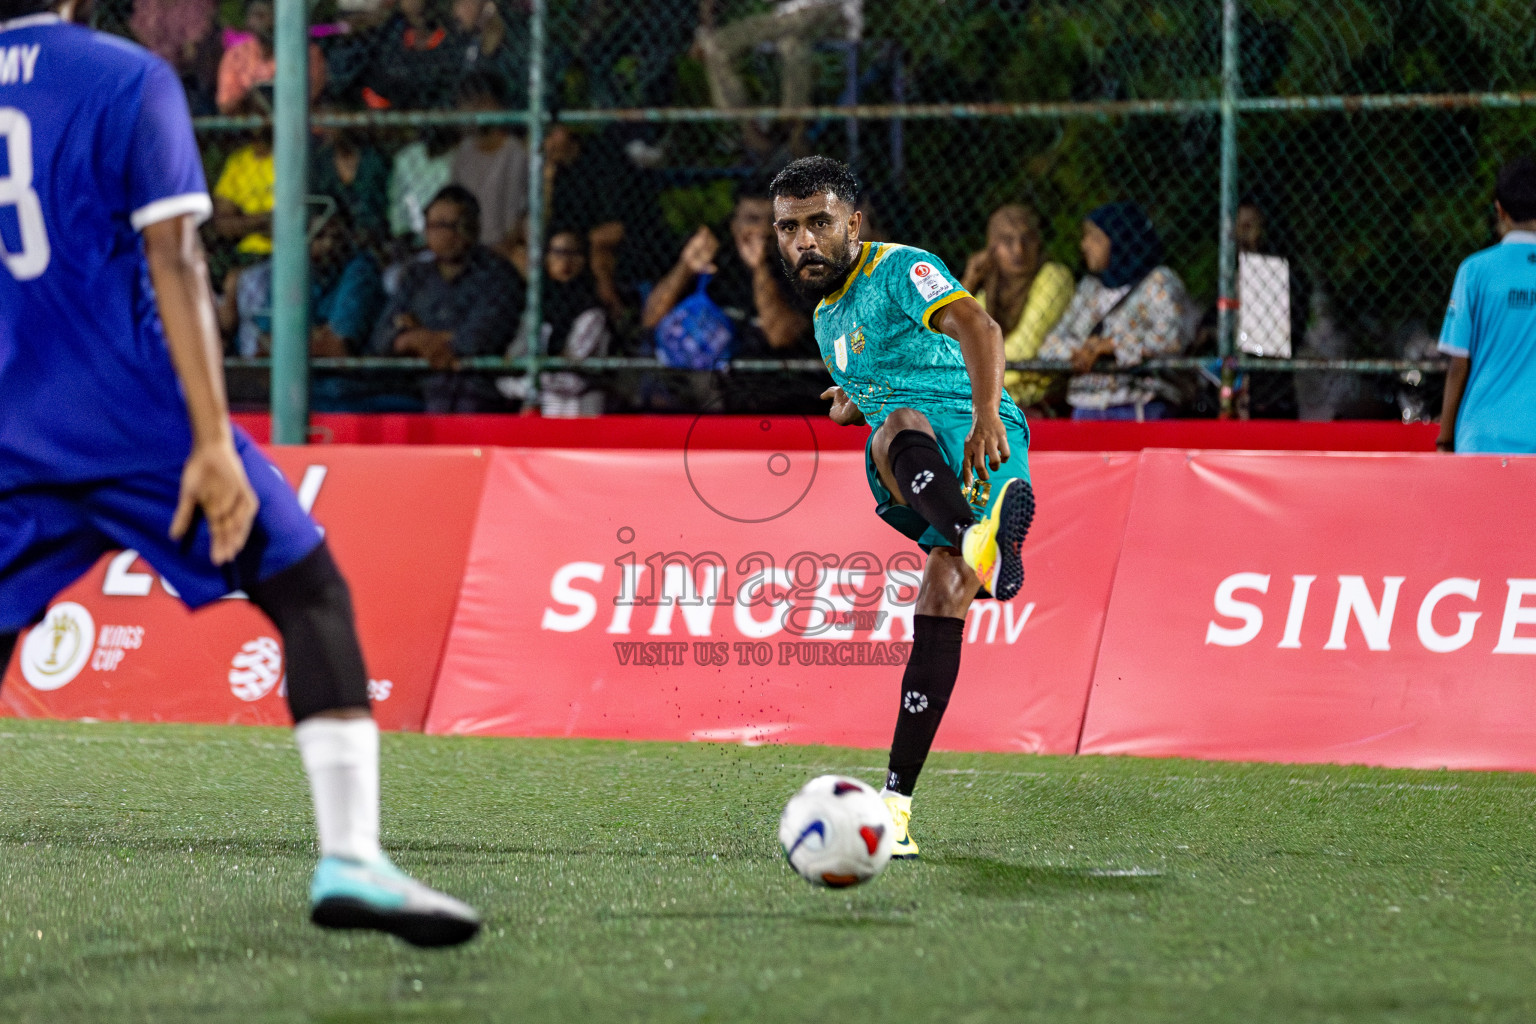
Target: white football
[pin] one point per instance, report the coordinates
(836, 832)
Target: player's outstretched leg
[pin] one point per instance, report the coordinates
(355, 885)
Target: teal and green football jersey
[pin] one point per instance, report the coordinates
(876, 342)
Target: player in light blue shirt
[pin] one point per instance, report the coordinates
(915, 357)
(1490, 331)
(114, 432)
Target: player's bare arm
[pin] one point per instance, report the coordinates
(213, 478)
(697, 257)
(981, 343)
(436, 347)
(1091, 351)
(603, 243)
(1455, 386)
(229, 223)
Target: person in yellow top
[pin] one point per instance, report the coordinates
(244, 197)
(1023, 294)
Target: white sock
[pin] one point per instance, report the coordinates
(341, 758)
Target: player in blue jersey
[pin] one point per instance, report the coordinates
(114, 431)
(915, 357)
(1490, 331)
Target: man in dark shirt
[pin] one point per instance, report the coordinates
(750, 285)
(465, 301)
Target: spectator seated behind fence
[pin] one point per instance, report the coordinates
(464, 301)
(349, 170)
(1273, 302)
(746, 280)
(185, 34)
(345, 296)
(740, 284)
(492, 49)
(251, 62)
(575, 327)
(1022, 291)
(420, 171)
(416, 60)
(582, 193)
(1127, 306)
(244, 196)
(592, 184)
(1490, 331)
(492, 164)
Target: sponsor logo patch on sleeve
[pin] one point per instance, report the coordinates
(930, 284)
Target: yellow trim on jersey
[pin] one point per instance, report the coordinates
(886, 248)
(942, 301)
(853, 275)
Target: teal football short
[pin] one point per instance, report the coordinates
(951, 426)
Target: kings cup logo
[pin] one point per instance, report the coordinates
(58, 647)
(256, 668)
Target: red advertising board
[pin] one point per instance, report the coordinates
(1337, 608)
(117, 646)
(755, 597)
(1289, 607)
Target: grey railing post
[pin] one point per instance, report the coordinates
(290, 244)
(1227, 298)
(533, 312)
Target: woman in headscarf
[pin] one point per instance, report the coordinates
(575, 327)
(1024, 294)
(1128, 306)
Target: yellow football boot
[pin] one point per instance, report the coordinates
(903, 847)
(991, 547)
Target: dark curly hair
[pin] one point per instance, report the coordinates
(812, 175)
(1516, 188)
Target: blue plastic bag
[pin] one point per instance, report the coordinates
(696, 334)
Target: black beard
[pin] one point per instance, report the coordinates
(814, 291)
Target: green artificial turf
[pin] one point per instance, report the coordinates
(158, 874)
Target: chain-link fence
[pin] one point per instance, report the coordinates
(1367, 133)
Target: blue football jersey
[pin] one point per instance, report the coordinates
(1492, 321)
(96, 144)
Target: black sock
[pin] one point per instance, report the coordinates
(929, 486)
(925, 691)
(7, 645)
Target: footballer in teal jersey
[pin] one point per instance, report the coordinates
(915, 357)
